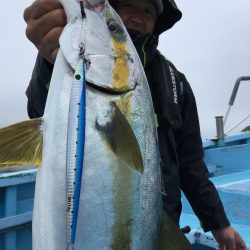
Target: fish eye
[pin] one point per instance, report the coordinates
(116, 30)
(113, 27)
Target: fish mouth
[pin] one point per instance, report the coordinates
(97, 6)
(109, 91)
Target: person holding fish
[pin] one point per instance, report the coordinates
(180, 144)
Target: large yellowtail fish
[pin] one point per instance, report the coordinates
(98, 186)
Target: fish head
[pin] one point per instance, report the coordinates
(102, 40)
(114, 61)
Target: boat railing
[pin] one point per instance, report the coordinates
(231, 102)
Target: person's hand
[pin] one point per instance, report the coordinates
(45, 21)
(229, 239)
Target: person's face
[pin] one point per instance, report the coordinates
(139, 16)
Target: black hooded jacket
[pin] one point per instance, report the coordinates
(181, 150)
(180, 142)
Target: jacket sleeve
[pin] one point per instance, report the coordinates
(194, 176)
(38, 87)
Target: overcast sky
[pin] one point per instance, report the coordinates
(211, 45)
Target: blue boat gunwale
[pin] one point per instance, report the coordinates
(16, 214)
(17, 178)
(240, 138)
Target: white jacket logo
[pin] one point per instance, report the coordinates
(174, 85)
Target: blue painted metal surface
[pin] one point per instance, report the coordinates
(16, 204)
(229, 166)
(234, 156)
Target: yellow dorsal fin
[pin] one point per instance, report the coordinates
(21, 144)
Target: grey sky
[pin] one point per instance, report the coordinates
(211, 45)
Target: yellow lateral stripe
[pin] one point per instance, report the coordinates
(121, 69)
(122, 234)
(121, 76)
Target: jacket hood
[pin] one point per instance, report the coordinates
(169, 14)
(168, 18)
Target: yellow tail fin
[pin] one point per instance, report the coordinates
(171, 238)
(21, 144)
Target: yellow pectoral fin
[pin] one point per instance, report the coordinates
(122, 141)
(21, 144)
(171, 238)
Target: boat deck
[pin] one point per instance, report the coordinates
(234, 190)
